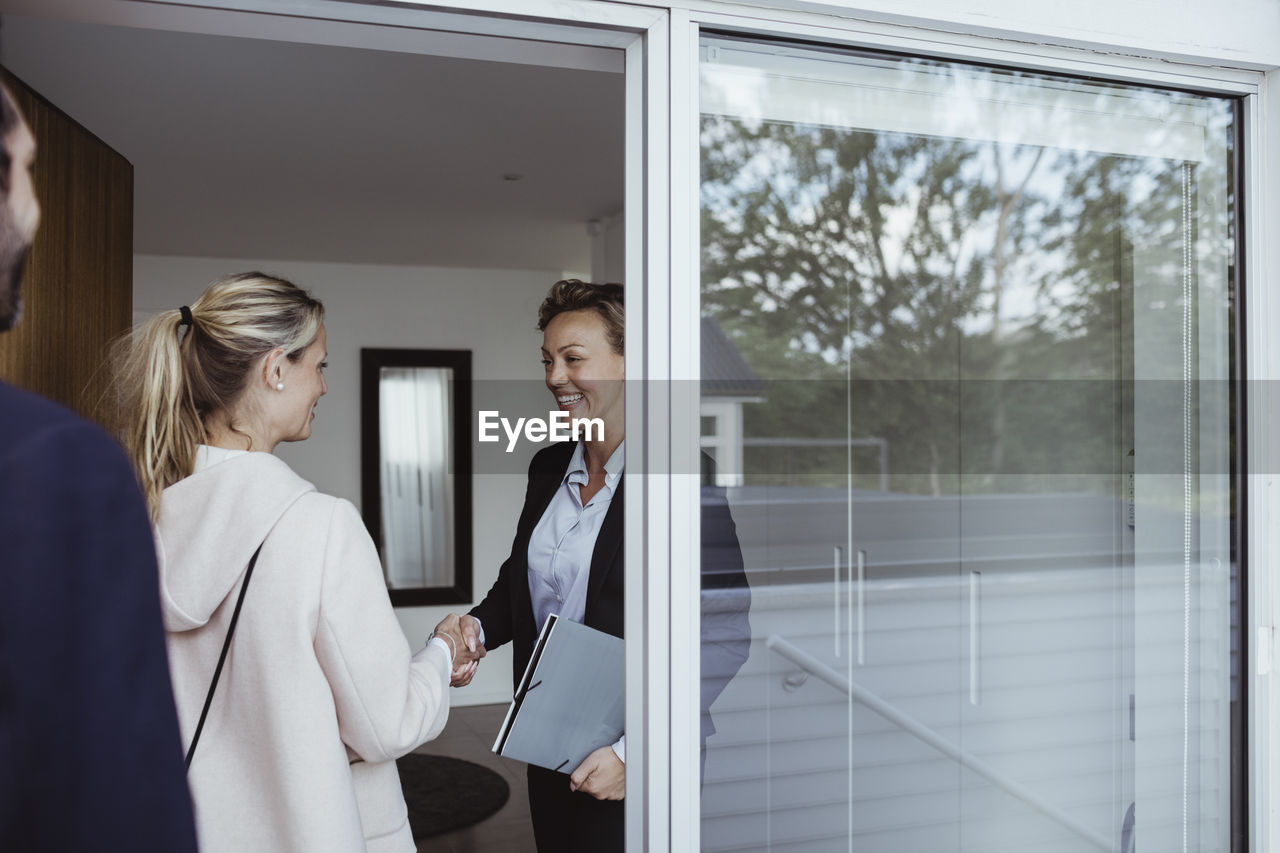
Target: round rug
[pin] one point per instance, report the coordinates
(444, 794)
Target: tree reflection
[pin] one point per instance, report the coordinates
(969, 301)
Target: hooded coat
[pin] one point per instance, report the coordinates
(320, 693)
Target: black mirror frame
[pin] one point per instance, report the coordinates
(371, 363)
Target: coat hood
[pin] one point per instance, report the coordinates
(210, 525)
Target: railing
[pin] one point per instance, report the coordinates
(881, 444)
(815, 667)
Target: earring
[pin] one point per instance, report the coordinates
(279, 386)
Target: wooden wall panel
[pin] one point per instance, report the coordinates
(78, 287)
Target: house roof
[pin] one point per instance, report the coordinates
(724, 371)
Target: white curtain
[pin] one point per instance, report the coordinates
(417, 484)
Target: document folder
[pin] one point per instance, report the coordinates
(570, 701)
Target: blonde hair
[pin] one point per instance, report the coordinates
(168, 383)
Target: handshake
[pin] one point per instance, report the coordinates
(462, 633)
(602, 774)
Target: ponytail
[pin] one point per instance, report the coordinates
(169, 381)
(161, 428)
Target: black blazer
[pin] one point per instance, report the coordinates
(507, 610)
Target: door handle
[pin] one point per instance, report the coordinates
(975, 635)
(854, 600)
(862, 607)
(837, 561)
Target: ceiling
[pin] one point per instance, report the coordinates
(261, 149)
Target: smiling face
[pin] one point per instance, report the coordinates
(293, 409)
(583, 371)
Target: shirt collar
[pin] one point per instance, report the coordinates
(577, 471)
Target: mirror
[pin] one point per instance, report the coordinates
(416, 470)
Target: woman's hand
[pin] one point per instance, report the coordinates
(464, 632)
(601, 774)
(470, 627)
(451, 629)
(462, 676)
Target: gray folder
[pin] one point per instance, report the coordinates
(570, 701)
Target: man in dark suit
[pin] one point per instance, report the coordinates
(90, 756)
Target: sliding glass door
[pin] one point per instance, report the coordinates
(967, 369)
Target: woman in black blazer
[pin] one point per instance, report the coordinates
(567, 554)
(567, 558)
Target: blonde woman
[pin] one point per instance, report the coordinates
(319, 692)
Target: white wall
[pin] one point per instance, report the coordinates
(608, 247)
(493, 313)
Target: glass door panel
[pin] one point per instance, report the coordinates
(972, 331)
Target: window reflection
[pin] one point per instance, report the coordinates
(984, 490)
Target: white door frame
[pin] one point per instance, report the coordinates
(482, 29)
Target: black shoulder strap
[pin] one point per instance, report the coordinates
(226, 646)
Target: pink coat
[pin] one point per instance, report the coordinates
(320, 692)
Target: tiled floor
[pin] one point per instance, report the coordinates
(469, 735)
